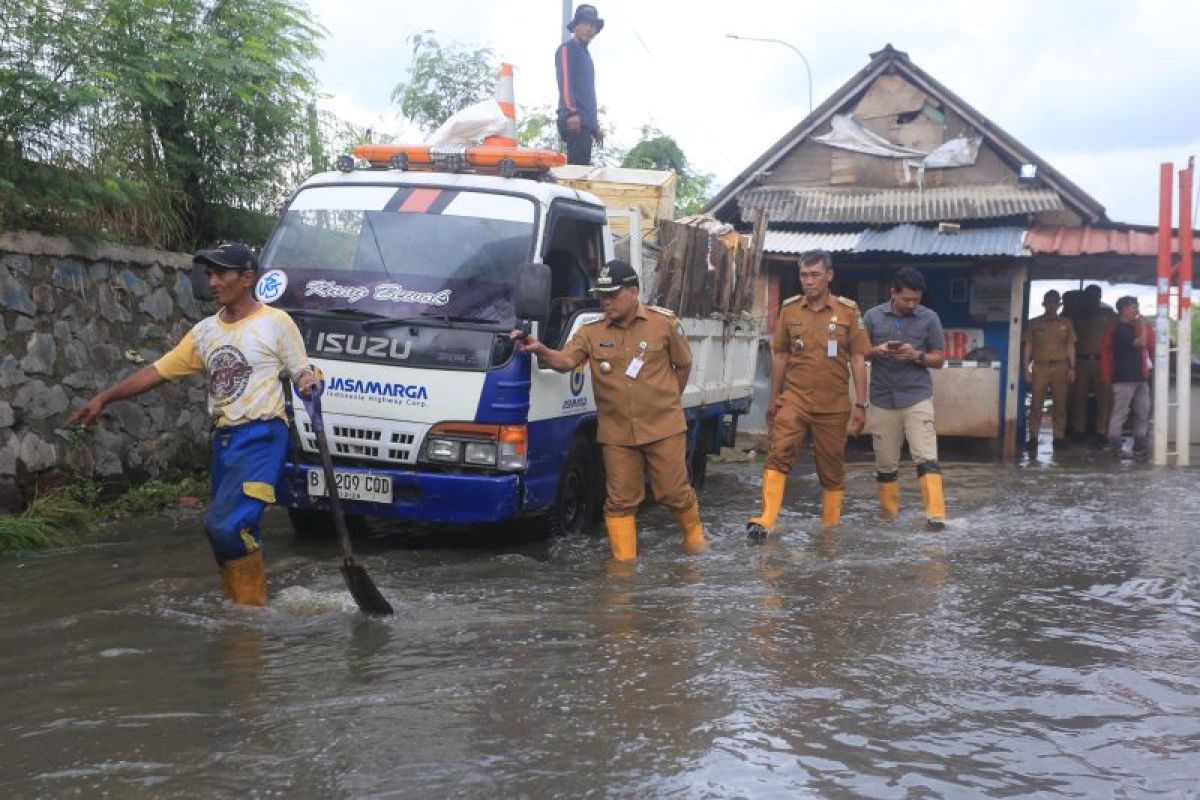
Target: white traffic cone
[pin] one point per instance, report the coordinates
(508, 104)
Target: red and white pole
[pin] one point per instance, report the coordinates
(1183, 331)
(1162, 339)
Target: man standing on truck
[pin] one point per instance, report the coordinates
(906, 342)
(640, 362)
(242, 349)
(819, 343)
(578, 120)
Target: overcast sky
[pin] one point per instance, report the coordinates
(1104, 90)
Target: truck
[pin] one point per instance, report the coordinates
(405, 284)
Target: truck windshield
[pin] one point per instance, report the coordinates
(402, 252)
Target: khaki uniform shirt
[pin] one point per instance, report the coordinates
(1050, 338)
(817, 381)
(635, 411)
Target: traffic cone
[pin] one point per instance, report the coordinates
(508, 104)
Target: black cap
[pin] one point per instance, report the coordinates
(614, 276)
(231, 255)
(586, 13)
(1051, 296)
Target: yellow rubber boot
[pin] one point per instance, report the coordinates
(246, 579)
(889, 499)
(934, 500)
(693, 530)
(622, 537)
(773, 483)
(831, 507)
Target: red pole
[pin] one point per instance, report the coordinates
(1161, 388)
(1165, 173)
(1185, 230)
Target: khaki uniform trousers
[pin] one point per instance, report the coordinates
(625, 469)
(1087, 379)
(1054, 377)
(891, 426)
(792, 425)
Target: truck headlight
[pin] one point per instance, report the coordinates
(446, 450)
(480, 453)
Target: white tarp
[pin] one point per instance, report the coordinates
(470, 126)
(849, 134)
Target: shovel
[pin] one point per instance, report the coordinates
(362, 588)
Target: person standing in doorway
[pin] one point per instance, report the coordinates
(1125, 357)
(578, 120)
(820, 342)
(906, 342)
(242, 349)
(640, 363)
(1049, 361)
(1093, 321)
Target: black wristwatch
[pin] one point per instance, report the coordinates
(863, 406)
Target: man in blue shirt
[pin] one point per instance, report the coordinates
(578, 124)
(906, 342)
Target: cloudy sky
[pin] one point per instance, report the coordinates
(1104, 90)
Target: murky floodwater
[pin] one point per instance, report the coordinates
(1047, 644)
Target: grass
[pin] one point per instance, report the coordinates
(70, 514)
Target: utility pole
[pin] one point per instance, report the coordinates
(567, 15)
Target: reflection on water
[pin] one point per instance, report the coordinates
(1044, 644)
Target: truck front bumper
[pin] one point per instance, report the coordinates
(450, 499)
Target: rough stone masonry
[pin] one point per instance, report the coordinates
(75, 317)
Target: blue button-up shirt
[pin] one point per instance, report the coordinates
(900, 384)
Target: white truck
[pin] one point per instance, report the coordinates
(405, 285)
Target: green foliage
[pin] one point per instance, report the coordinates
(443, 80)
(136, 118)
(157, 495)
(656, 150)
(68, 514)
(538, 127)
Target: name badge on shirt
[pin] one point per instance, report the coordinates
(831, 348)
(635, 366)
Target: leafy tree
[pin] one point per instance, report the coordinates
(443, 80)
(656, 150)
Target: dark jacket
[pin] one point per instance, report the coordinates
(576, 84)
(1108, 359)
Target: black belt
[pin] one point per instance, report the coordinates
(1087, 356)
(1037, 363)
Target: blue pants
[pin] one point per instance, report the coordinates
(247, 462)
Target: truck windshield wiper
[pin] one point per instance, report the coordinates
(340, 313)
(447, 319)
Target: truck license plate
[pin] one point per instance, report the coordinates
(352, 486)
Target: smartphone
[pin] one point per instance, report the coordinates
(893, 345)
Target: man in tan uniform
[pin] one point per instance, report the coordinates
(819, 342)
(1094, 320)
(640, 362)
(1049, 360)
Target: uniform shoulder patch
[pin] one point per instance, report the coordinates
(664, 311)
(846, 301)
(792, 299)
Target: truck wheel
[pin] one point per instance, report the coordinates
(575, 502)
(313, 523)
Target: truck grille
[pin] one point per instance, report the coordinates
(395, 442)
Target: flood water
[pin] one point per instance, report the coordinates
(1047, 644)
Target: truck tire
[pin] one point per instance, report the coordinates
(575, 502)
(313, 523)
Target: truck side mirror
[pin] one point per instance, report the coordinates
(531, 297)
(200, 283)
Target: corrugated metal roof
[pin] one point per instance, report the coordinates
(1089, 241)
(918, 241)
(910, 239)
(795, 242)
(893, 206)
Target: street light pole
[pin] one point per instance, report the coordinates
(793, 48)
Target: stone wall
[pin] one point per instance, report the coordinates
(75, 317)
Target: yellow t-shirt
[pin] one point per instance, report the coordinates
(243, 361)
